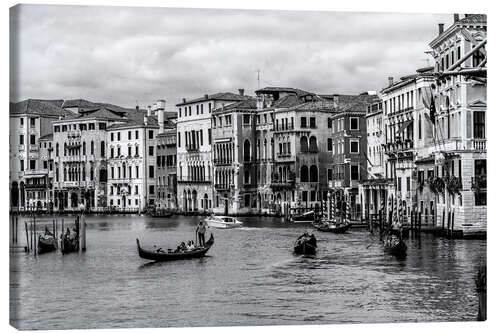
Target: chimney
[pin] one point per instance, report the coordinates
(391, 80)
(206, 96)
(241, 91)
(149, 110)
(145, 121)
(183, 100)
(441, 28)
(160, 104)
(456, 17)
(161, 121)
(137, 108)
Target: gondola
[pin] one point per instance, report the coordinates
(307, 217)
(70, 244)
(305, 244)
(160, 213)
(331, 226)
(169, 256)
(46, 243)
(395, 245)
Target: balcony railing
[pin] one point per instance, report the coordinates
(222, 187)
(479, 144)
(193, 180)
(192, 148)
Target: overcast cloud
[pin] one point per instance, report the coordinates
(120, 55)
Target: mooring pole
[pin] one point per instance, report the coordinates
(481, 290)
(27, 248)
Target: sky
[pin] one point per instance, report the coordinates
(128, 56)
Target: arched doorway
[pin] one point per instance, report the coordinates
(195, 200)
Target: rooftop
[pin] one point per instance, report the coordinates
(39, 107)
(224, 96)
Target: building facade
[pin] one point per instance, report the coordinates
(166, 162)
(194, 150)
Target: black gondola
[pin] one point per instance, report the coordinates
(395, 245)
(169, 256)
(46, 243)
(70, 244)
(161, 213)
(309, 216)
(305, 244)
(332, 226)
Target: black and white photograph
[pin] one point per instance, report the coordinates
(209, 167)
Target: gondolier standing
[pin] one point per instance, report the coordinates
(200, 230)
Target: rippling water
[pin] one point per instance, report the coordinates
(250, 277)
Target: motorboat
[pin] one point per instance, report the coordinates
(223, 222)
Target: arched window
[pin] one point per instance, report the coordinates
(304, 174)
(313, 173)
(103, 149)
(84, 148)
(313, 146)
(246, 151)
(65, 147)
(419, 127)
(247, 177)
(91, 147)
(303, 144)
(57, 149)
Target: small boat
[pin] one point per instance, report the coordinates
(160, 213)
(394, 245)
(46, 243)
(307, 217)
(70, 243)
(305, 244)
(223, 222)
(336, 227)
(160, 255)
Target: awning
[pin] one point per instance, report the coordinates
(404, 126)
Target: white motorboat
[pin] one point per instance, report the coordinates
(223, 222)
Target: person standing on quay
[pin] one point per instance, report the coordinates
(200, 230)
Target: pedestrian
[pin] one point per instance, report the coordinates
(200, 230)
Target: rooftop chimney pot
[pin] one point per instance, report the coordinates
(441, 28)
(391, 80)
(183, 100)
(206, 96)
(241, 91)
(456, 17)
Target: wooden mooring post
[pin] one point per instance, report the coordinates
(481, 290)
(27, 248)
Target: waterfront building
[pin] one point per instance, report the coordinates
(194, 149)
(234, 158)
(166, 160)
(131, 151)
(459, 125)
(80, 159)
(29, 121)
(348, 147)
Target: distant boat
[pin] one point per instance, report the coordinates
(394, 245)
(305, 244)
(160, 255)
(223, 222)
(70, 243)
(46, 243)
(332, 226)
(160, 213)
(307, 217)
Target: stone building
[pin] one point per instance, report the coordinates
(459, 126)
(234, 158)
(166, 162)
(194, 150)
(29, 121)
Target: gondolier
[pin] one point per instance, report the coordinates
(200, 230)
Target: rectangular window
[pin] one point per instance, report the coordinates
(201, 137)
(21, 139)
(151, 171)
(304, 196)
(118, 136)
(179, 140)
(479, 125)
(136, 171)
(32, 164)
(32, 139)
(330, 174)
(151, 150)
(330, 144)
(329, 123)
(354, 123)
(303, 122)
(209, 136)
(354, 172)
(32, 122)
(151, 189)
(312, 122)
(354, 147)
(246, 119)
(151, 134)
(112, 136)
(136, 150)
(21, 163)
(130, 135)
(129, 151)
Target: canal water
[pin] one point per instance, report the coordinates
(249, 277)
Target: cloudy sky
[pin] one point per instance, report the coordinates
(122, 55)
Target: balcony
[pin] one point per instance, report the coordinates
(479, 144)
(192, 148)
(222, 161)
(33, 148)
(36, 172)
(222, 187)
(21, 147)
(192, 180)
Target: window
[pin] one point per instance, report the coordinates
(137, 135)
(312, 122)
(303, 122)
(304, 196)
(189, 110)
(136, 171)
(354, 146)
(354, 172)
(179, 140)
(180, 112)
(112, 152)
(151, 150)
(329, 145)
(22, 122)
(209, 135)
(136, 189)
(103, 149)
(354, 123)
(32, 139)
(329, 123)
(112, 136)
(21, 162)
(32, 164)
(129, 151)
(151, 134)
(136, 150)
(479, 125)
(21, 139)
(330, 174)
(32, 122)
(151, 171)
(102, 126)
(130, 135)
